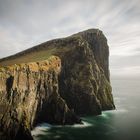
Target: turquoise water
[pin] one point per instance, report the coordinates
(120, 124)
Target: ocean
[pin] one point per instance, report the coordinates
(120, 124)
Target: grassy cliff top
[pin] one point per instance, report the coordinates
(53, 62)
(43, 51)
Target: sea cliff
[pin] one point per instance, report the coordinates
(55, 82)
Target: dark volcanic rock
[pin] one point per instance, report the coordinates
(74, 80)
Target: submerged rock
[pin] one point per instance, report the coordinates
(54, 82)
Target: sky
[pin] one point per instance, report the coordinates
(26, 23)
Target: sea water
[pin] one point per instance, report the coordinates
(120, 124)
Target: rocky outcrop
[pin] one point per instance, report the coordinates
(74, 80)
(83, 83)
(29, 95)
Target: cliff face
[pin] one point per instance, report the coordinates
(84, 82)
(29, 95)
(73, 80)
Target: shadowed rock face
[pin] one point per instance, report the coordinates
(74, 80)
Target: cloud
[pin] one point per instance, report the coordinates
(132, 71)
(27, 23)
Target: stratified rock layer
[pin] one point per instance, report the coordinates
(73, 80)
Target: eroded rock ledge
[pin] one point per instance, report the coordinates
(54, 82)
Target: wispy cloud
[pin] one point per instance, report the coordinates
(25, 23)
(131, 71)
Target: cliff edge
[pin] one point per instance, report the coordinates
(54, 82)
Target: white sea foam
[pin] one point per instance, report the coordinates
(85, 124)
(104, 115)
(41, 129)
(118, 110)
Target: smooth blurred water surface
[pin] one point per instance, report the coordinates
(120, 124)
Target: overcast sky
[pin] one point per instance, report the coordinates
(25, 23)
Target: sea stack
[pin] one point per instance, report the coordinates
(54, 82)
